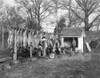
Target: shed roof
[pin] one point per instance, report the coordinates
(73, 31)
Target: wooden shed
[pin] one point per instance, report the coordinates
(68, 34)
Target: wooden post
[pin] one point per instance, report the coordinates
(31, 51)
(44, 48)
(15, 48)
(88, 47)
(62, 42)
(2, 38)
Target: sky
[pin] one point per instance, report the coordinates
(10, 2)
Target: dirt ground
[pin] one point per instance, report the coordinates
(87, 66)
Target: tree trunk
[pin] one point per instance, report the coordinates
(39, 27)
(15, 48)
(31, 51)
(70, 21)
(87, 28)
(3, 38)
(97, 28)
(86, 21)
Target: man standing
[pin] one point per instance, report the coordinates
(44, 46)
(73, 44)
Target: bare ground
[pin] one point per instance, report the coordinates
(87, 66)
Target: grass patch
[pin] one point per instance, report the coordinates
(56, 69)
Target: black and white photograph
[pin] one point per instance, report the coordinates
(49, 38)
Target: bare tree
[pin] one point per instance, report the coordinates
(9, 16)
(86, 8)
(2, 20)
(13, 18)
(37, 10)
(89, 7)
(61, 24)
(71, 19)
(55, 7)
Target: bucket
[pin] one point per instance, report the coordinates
(52, 55)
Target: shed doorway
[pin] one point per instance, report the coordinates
(70, 40)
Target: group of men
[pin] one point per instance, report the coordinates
(24, 41)
(36, 44)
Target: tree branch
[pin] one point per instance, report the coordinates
(77, 15)
(80, 4)
(93, 7)
(94, 20)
